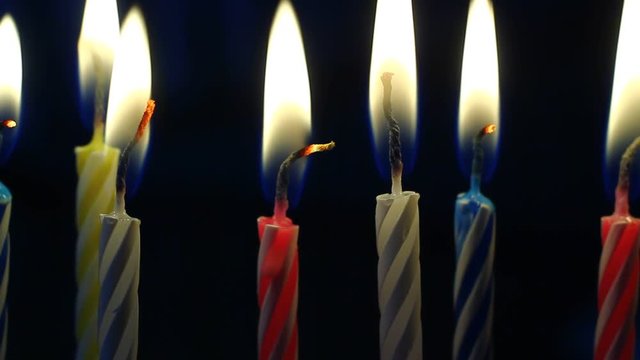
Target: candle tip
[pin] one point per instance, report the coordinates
(124, 156)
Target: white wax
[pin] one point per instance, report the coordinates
(399, 294)
(119, 279)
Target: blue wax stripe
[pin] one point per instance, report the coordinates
(114, 272)
(475, 264)
(476, 324)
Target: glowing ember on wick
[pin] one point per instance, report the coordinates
(9, 123)
(123, 164)
(478, 152)
(395, 153)
(282, 184)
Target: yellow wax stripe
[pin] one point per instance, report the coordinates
(96, 165)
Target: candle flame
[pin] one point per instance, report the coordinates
(98, 39)
(10, 82)
(393, 51)
(130, 87)
(624, 113)
(287, 98)
(479, 87)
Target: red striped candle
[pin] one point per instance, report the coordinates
(618, 273)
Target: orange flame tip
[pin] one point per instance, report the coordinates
(9, 123)
(146, 118)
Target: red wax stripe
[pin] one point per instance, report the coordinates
(280, 315)
(278, 288)
(618, 258)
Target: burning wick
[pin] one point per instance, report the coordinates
(478, 155)
(7, 124)
(622, 190)
(123, 164)
(395, 154)
(282, 203)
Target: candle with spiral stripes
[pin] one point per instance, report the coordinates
(119, 267)
(397, 219)
(398, 245)
(5, 215)
(96, 165)
(475, 246)
(618, 273)
(278, 271)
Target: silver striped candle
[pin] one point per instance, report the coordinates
(399, 294)
(119, 279)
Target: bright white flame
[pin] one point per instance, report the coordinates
(479, 88)
(287, 96)
(98, 38)
(10, 68)
(394, 51)
(624, 115)
(130, 86)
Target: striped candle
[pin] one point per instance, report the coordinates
(618, 273)
(399, 296)
(277, 290)
(119, 279)
(5, 211)
(473, 287)
(618, 288)
(96, 166)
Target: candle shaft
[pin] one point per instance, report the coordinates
(473, 285)
(5, 215)
(399, 294)
(96, 166)
(119, 280)
(277, 290)
(618, 287)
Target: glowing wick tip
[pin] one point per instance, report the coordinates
(282, 182)
(9, 124)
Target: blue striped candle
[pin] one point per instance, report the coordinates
(5, 211)
(473, 288)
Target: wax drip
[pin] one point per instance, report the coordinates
(622, 190)
(478, 156)
(395, 153)
(282, 182)
(123, 163)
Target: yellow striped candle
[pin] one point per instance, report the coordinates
(96, 165)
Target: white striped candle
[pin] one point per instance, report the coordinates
(118, 309)
(399, 294)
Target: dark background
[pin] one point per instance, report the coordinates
(201, 192)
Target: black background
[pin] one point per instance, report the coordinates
(201, 192)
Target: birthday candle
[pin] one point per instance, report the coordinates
(475, 246)
(278, 271)
(118, 309)
(96, 165)
(10, 95)
(398, 245)
(618, 273)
